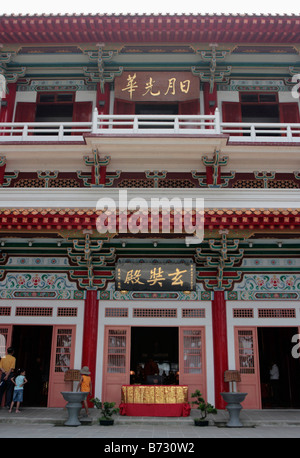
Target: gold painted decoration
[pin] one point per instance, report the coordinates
(154, 394)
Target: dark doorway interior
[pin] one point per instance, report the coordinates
(32, 346)
(261, 113)
(156, 109)
(159, 343)
(54, 113)
(275, 345)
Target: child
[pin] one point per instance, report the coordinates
(19, 382)
(85, 385)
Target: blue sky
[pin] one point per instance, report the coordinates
(152, 6)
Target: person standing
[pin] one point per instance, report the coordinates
(85, 386)
(7, 366)
(19, 382)
(274, 381)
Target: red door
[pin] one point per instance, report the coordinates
(124, 107)
(116, 364)
(192, 362)
(62, 359)
(247, 362)
(231, 112)
(25, 112)
(191, 107)
(82, 112)
(289, 113)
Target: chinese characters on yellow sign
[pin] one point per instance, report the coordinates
(157, 86)
(159, 276)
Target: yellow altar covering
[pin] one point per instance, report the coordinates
(154, 394)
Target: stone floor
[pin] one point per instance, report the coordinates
(147, 432)
(58, 416)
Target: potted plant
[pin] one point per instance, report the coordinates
(204, 407)
(108, 409)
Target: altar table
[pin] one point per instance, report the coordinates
(155, 401)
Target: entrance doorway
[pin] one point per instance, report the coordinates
(32, 345)
(159, 344)
(275, 346)
(179, 350)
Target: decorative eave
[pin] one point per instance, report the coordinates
(150, 28)
(76, 209)
(85, 219)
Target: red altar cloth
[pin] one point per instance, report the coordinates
(155, 410)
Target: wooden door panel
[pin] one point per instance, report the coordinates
(116, 363)
(5, 338)
(231, 112)
(82, 112)
(289, 113)
(5, 342)
(191, 107)
(62, 359)
(247, 362)
(192, 362)
(25, 112)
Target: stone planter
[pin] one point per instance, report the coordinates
(201, 422)
(108, 422)
(74, 404)
(234, 407)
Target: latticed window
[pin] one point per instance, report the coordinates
(63, 350)
(154, 313)
(34, 311)
(3, 340)
(116, 312)
(192, 352)
(246, 352)
(243, 313)
(116, 351)
(276, 313)
(67, 311)
(193, 313)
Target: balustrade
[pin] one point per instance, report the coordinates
(116, 124)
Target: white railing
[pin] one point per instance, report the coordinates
(158, 124)
(43, 131)
(261, 132)
(208, 125)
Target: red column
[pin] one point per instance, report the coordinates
(2, 173)
(103, 99)
(209, 175)
(210, 99)
(210, 105)
(90, 333)
(6, 113)
(219, 324)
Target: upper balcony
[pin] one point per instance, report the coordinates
(153, 126)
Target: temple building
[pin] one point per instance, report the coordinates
(113, 128)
